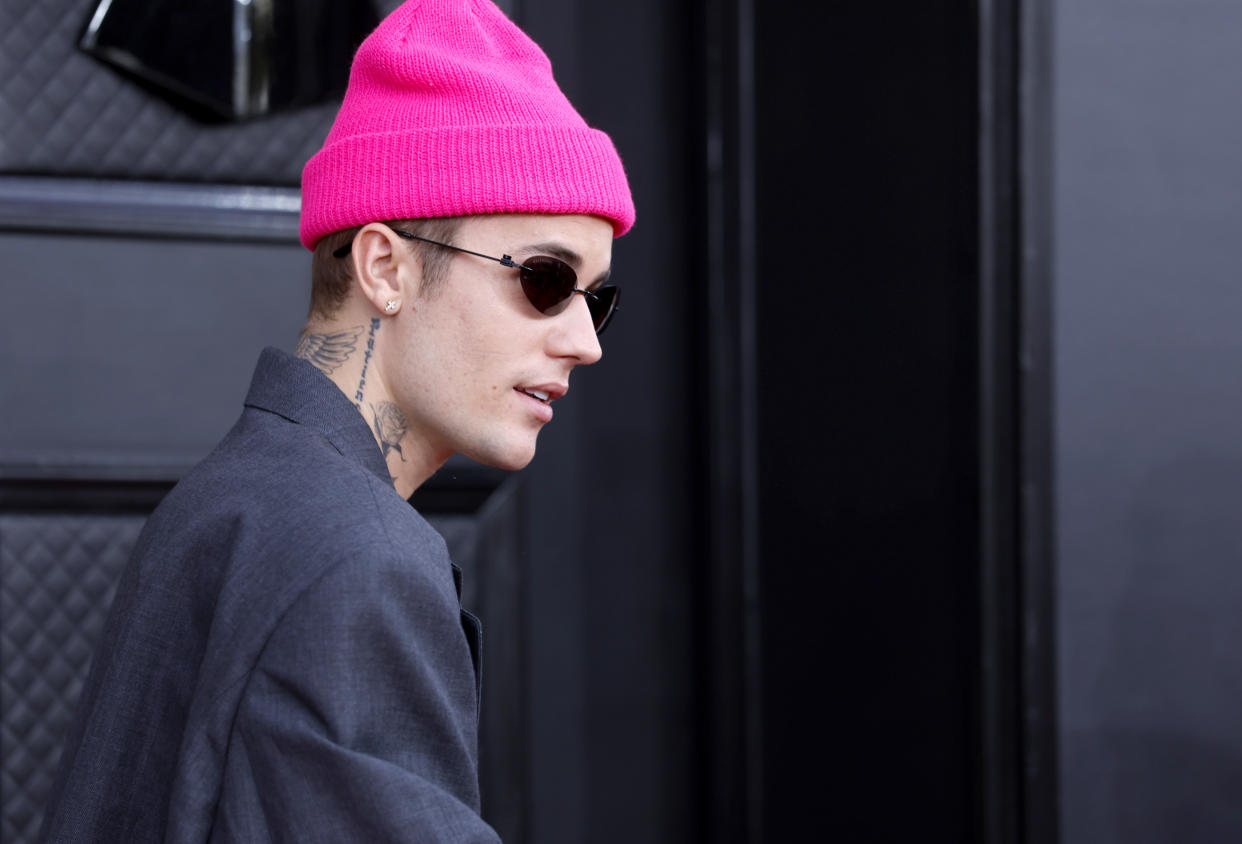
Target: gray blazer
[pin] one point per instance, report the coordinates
(286, 658)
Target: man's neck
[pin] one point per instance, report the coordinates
(347, 351)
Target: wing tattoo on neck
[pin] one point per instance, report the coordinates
(328, 351)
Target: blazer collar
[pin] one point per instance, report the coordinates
(294, 389)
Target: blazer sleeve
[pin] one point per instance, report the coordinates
(359, 722)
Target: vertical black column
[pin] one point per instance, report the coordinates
(730, 732)
(1017, 775)
(869, 431)
(867, 318)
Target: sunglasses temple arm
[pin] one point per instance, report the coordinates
(506, 261)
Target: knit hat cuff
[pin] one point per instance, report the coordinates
(496, 170)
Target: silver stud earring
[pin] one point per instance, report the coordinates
(391, 306)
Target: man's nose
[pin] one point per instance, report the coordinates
(579, 338)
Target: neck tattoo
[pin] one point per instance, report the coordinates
(366, 360)
(391, 427)
(328, 351)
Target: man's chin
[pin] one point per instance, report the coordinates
(508, 459)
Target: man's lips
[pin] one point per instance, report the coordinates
(539, 398)
(544, 392)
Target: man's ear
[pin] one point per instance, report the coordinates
(380, 268)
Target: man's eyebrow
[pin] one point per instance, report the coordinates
(569, 256)
(556, 250)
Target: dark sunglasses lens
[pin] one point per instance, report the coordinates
(548, 283)
(603, 304)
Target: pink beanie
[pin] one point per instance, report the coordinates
(451, 110)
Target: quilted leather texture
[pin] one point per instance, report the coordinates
(64, 114)
(57, 577)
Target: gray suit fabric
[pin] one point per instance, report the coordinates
(286, 658)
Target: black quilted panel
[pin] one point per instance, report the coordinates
(64, 114)
(57, 578)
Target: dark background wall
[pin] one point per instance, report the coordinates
(1148, 198)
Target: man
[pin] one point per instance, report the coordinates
(286, 658)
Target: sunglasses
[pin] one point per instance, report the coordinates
(549, 283)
